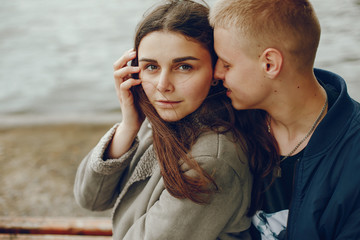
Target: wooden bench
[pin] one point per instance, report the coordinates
(30, 228)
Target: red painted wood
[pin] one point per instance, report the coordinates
(64, 226)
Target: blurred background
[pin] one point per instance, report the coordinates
(57, 93)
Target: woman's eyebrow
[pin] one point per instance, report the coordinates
(147, 60)
(182, 59)
(175, 60)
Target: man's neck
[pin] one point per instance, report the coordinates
(294, 114)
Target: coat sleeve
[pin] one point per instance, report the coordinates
(97, 180)
(172, 218)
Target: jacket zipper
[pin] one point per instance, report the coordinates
(296, 170)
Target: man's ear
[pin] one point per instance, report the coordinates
(272, 61)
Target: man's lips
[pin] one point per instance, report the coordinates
(228, 92)
(225, 86)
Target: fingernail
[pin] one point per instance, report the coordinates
(132, 54)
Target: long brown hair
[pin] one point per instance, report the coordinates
(173, 140)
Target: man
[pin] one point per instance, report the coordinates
(266, 55)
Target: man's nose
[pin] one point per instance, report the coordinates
(219, 71)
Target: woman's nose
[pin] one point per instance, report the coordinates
(164, 84)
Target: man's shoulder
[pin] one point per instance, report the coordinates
(356, 112)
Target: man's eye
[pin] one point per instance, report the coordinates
(225, 65)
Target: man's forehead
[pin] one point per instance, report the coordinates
(222, 44)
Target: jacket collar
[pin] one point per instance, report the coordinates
(337, 118)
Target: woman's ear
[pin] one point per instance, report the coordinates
(272, 61)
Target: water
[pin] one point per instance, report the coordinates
(56, 56)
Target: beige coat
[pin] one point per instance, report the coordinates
(143, 209)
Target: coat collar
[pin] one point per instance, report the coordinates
(337, 118)
(145, 168)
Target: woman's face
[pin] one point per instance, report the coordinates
(176, 73)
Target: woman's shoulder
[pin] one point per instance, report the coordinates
(212, 149)
(214, 144)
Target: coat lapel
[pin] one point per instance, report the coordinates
(144, 169)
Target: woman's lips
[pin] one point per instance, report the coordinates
(167, 103)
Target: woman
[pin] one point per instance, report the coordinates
(187, 175)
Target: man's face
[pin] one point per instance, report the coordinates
(240, 71)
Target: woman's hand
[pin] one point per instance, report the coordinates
(131, 118)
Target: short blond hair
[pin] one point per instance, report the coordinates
(291, 26)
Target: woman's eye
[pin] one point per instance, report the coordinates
(150, 67)
(185, 67)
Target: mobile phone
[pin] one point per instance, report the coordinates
(135, 63)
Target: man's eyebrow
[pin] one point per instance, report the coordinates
(224, 61)
(221, 59)
(182, 59)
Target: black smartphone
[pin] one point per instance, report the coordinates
(135, 63)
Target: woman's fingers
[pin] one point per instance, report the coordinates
(125, 73)
(123, 89)
(125, 86)
(124, 82)
(124, 59)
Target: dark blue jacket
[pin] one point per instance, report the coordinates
(326, 197)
